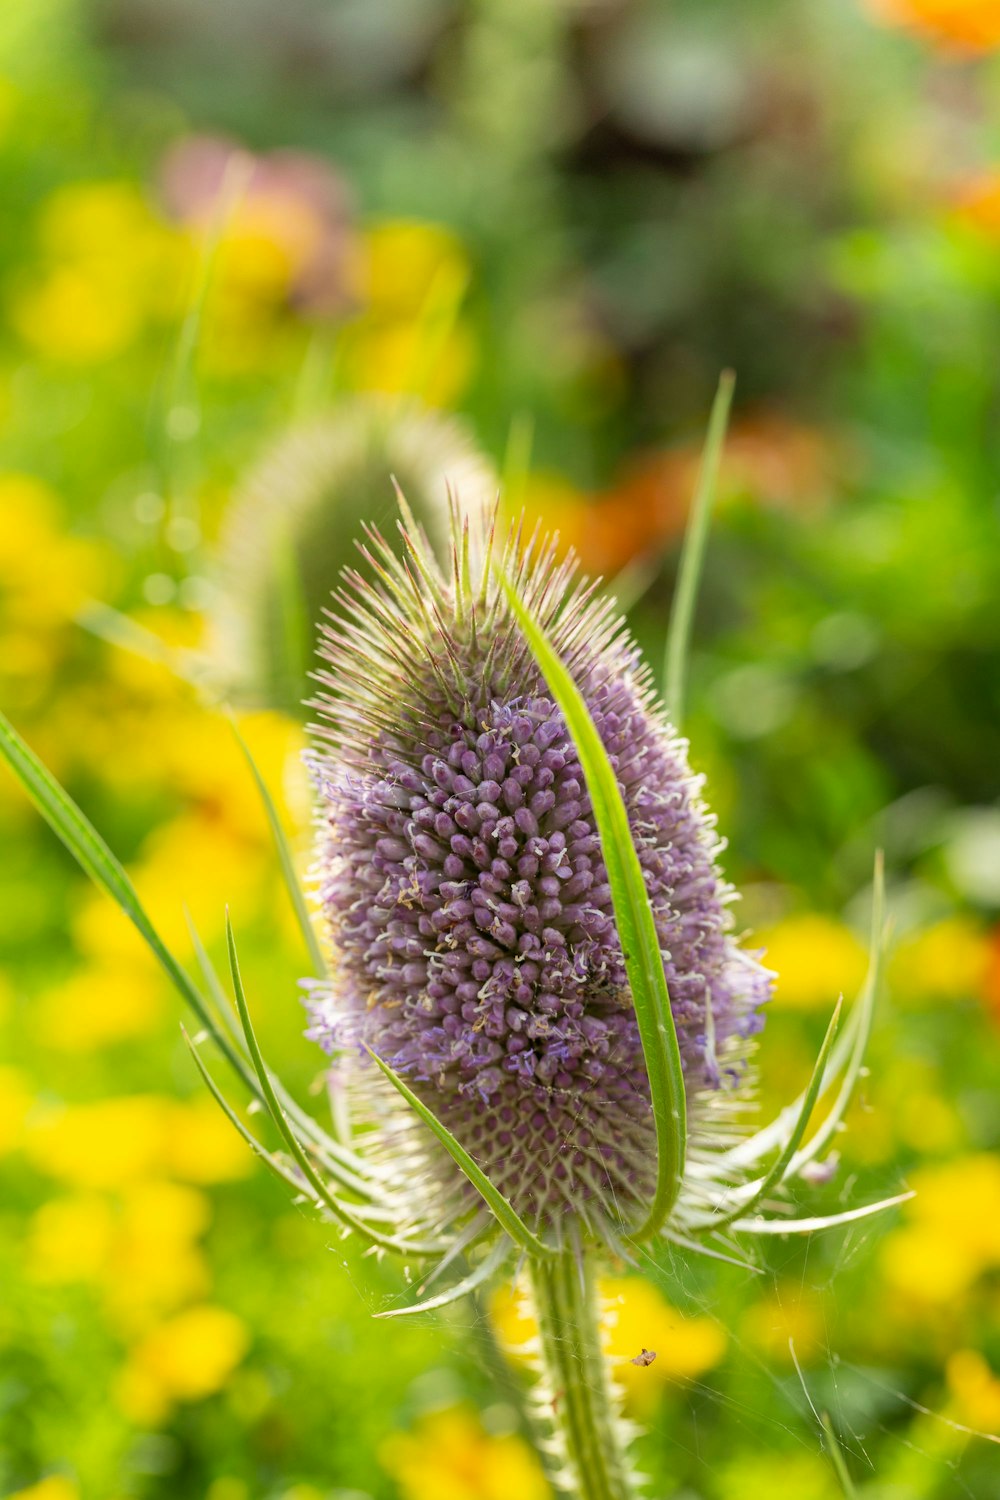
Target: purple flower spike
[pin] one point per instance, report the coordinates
(465, 893)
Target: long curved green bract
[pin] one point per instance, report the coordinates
(483, 1272)
(635, 922)
(777, 1172)
(319, 1187)
(96, 860)
(693, 554)
(284, 857)
(506, 1214)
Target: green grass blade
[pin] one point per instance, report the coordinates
(837, 1459)
(322, 1191)
(777, 1172)
(506, 1215)
(866, 1010)
(285, 858)
(693, 554)
(96, 860)
(780, 1227)
(256, 1146)
(636, 925)
(461, 1289)
(294, 626)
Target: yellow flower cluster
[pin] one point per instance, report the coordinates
(46, 574)
(410, 338)
(951, 1236)
(636, 1317)
(130, 1228)
(108, 268)
(450, 1456)
(816, 958)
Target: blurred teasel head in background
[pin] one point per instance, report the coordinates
(294, 521)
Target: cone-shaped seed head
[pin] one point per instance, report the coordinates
(465, 892)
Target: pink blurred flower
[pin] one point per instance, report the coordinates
(295, 200)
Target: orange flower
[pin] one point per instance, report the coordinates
(991, 982)
(955, 25)
(977, 203)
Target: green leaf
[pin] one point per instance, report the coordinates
(693, 554)
(285, 858)
(96, 860)
(321, 1189)
(475, 1279)
(777, 1172)
(837, 1457)
(635, 922)
(505, 1213)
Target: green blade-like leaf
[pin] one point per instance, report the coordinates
(848, 1053)
(693, 554)
(777, 1227)
(339, 1210)
(635, 922)
(866, 1009)
(506, 1215)
(285, 858)
(837, 1457)
(462, 1288)
(777, 1172)
(96, 860)
(256, 1146)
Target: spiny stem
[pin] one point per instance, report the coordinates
(578, 1404)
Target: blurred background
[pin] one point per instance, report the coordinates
(256, 256)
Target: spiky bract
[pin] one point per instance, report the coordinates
(465, 892)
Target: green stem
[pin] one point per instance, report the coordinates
(577, 1402)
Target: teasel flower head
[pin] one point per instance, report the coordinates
(291, 527)
(466, 896)
(469, 903)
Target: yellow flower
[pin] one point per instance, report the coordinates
(451, 1457)
(961, 25)
(70, 1239)
(975, 1389)
(202, 1147)
(952, 1233)
(140, 1255)
(155, 1264)
(55, 1487)
(45, 574)
(75, 317)
(405, 260)
(187, 1358)
(100, 1005)
(410, 338)
(789, 1318)
(109, 266)
(117, 1142)
(816, 959)
(635, 1317)
(406, 358)
(184, 866)
(946, 962)
(15, 1101)
(102, 1145)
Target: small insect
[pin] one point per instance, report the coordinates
(644, 1358)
